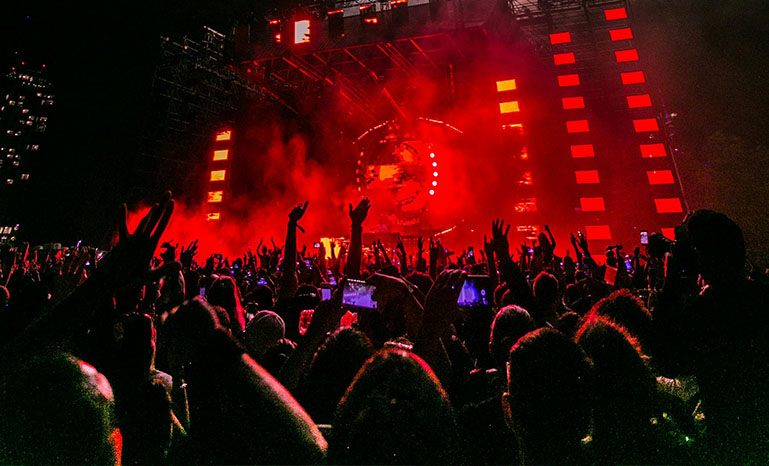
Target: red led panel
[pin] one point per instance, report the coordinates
(598, 232)
(224, 135)
(506, 85)
(621, 34)
(213, 216)
(221, 154)
(215, 196)
(669, 233)
(615, 13)
(660, 176)
(564, 58)
(646, 125)
(560, 38)
(566, 80)
(509, 107)
(669, 205)
(570, 103)
(577, 126)
(218, 175)
(587, 176)
(626, 55)
(651, 151)
(581, 151)
(592, 204)
(639, 101)
(633, 77)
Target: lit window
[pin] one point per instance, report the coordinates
(509, 107)
(621, 34)
(567, 80)
(645, 125)
(221, 154)
(639, 101)
(224, 135)
(302, 32)
(564, 58)
(592, 204)
(624, 56)
(615, 13)
(579, 151)
(25, 176)
(670, 205)
(560, 38)
(215, 196)
(650, 151)
(577, 126)
(587, 176)
(570, 103)
(633, 77)
(218, 175)
(507, 85)
(660, 176)
(598, 232)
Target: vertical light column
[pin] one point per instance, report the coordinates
(218, 175)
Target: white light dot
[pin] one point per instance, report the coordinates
(435, 183)
(435, 173)
(432, 155)
(435, 164)
(432, 192)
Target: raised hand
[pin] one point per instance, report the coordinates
(297, 213)
(360, 212)
(488, 249)
(187, 255)
(169, 253)
(441, 302)
(499, 238)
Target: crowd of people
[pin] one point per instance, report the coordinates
(135, 358)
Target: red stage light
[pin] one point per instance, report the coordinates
(621, 34)
(213, 216)
(560, 38)
(646, 125)
(567, 80)
(509, 107)
(570, 103)
(592, 204)
(577, 126)
(615, 13)
(669, 205)
(218, 175)
(580, 151)
(650, 151)
(215, 196)
(598, 232)
(302, 31)
(660, 176)
(564, 58)
(639, 101)
(587, 177)
(507, 85)
(624, 56)
(633, 77)
(669, 233)
(224, 135)
(221, 155)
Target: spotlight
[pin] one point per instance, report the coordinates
(432, 192)
(435, 183)
(435, 173)
(432, 155)
(435, 164)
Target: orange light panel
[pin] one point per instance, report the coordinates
(560, 38)
(651, 151)
(302, 31)
(615, 13)
(564, 58)
(509, 107)
(218, 175)
(646, 125)
(215, 196)
(639, 101)
(633, 77)
(669, 233)
(567, 80)
(669, 205)
(660, 176)
(598, 232)
(577, 126)
(507, 85)
(592, 204)
(621, 34)
(224, 135)
(213, 216)
(581, 151)
(221, 154)
(624, 56)
(587, 177)
(570, 103)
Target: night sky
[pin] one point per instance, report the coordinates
(710, 61)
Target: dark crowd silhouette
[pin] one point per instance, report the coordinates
(146, 356)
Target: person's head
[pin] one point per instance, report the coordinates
(421, 280)
(146, 422)
(546, 288)
(719, 247)
(306, 297)
(394, 412)
(138, 344)
(629, 312)
(511, 323)
(261, 295)
(186, 329)
(264, 331)
(548, 398)
(57, 410)
(224, 293)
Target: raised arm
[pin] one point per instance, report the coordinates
(357, 216)
(288, 282)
